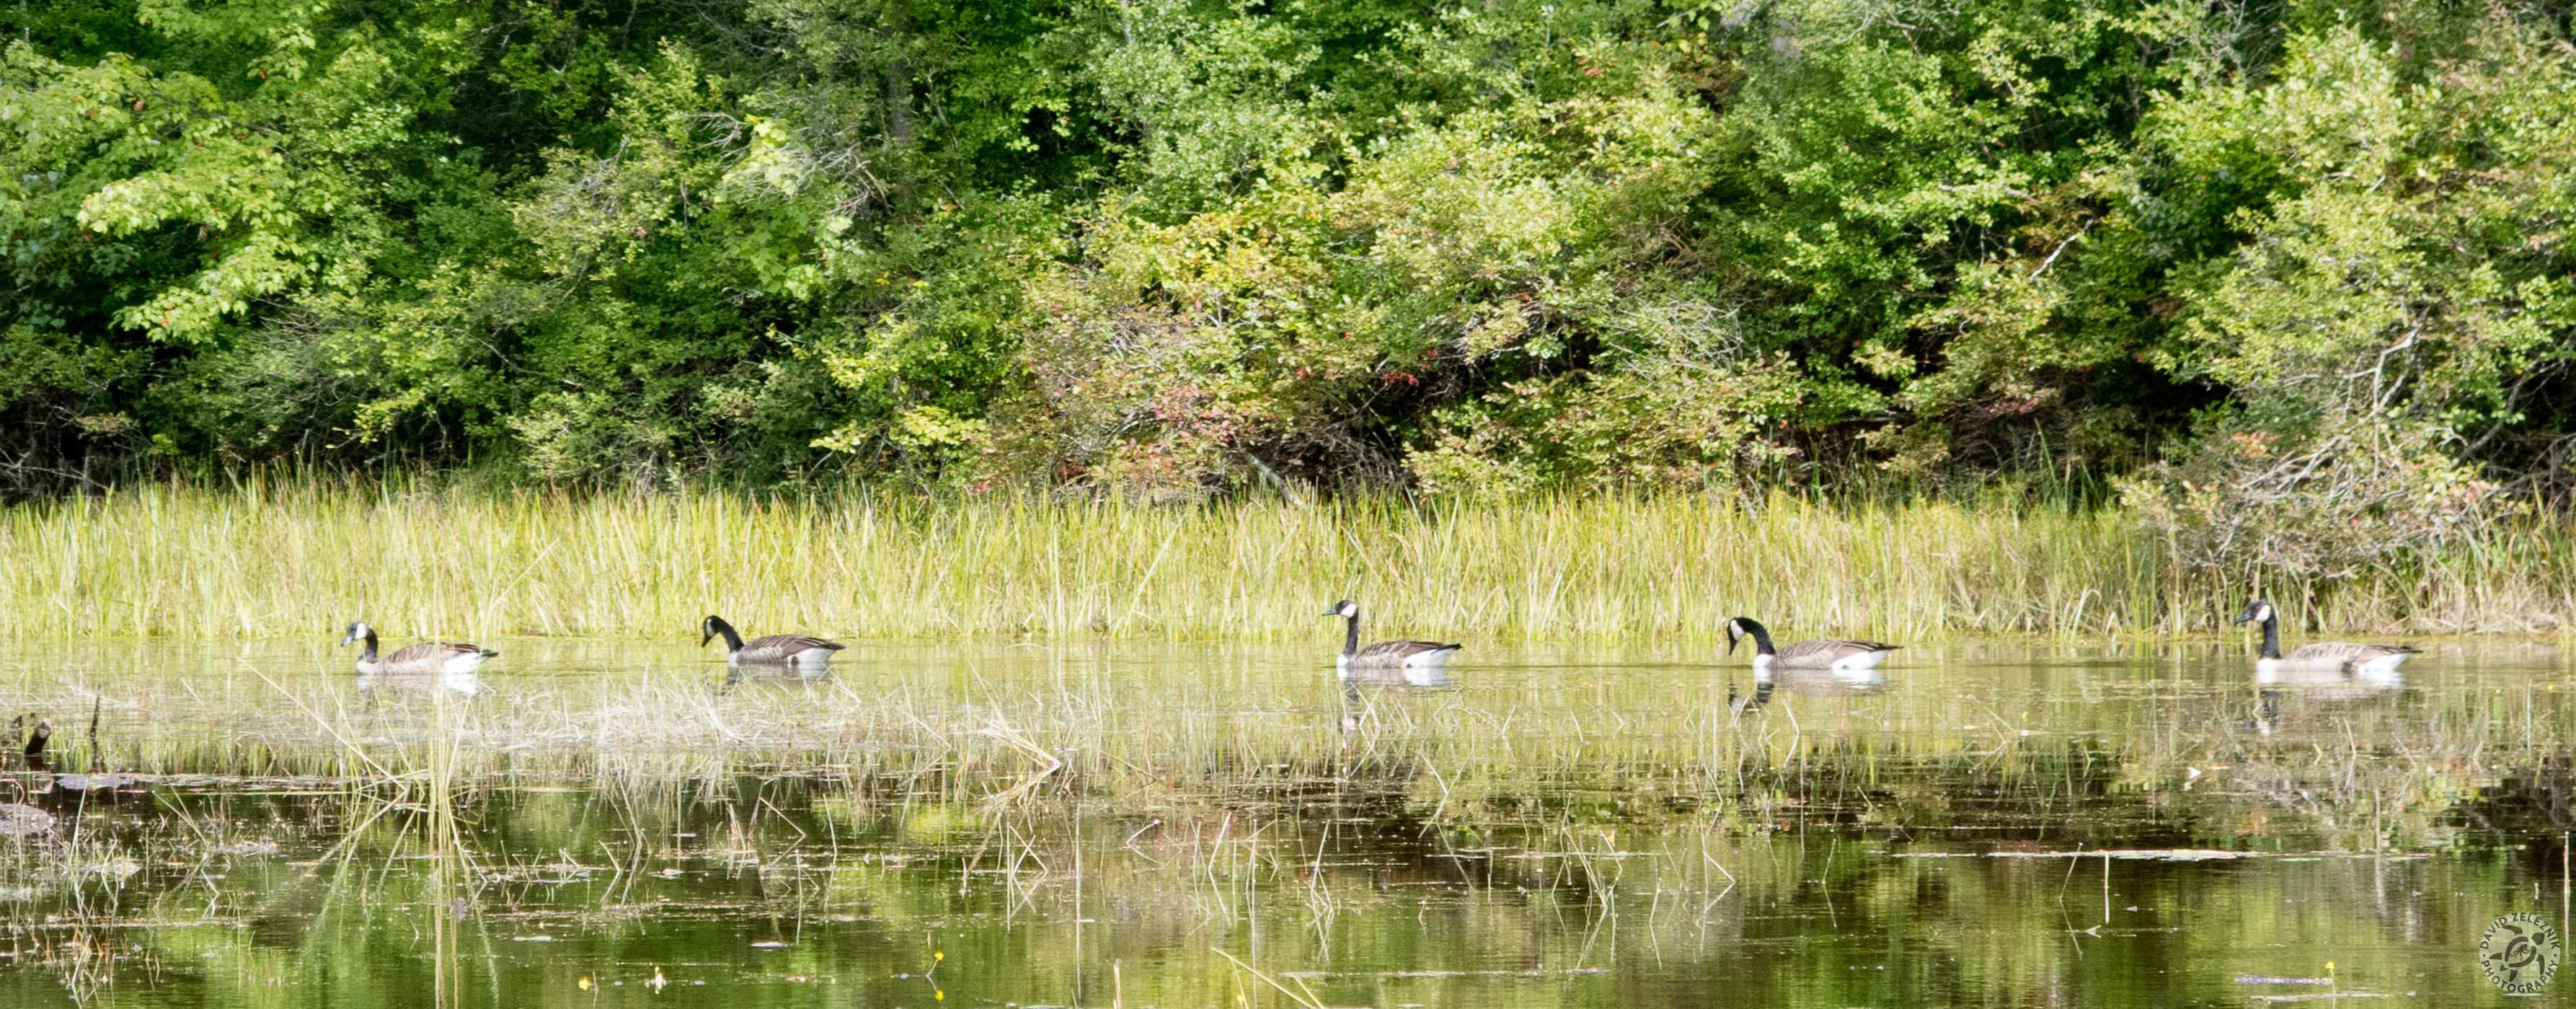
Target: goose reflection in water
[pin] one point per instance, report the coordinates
(2342, 689)
(2333, 684)
(466, 683)
(1806, 683)
(1386, 680)
(1402, 677)
(776, 677)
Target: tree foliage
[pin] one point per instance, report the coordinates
(2272, 267)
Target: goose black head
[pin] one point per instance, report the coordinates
(1739, 629)
(358, 630)
(1345, 608)
(2258, 611)
(709, 628)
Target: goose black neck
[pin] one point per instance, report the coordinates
(1761, 637)
(2271, 636)
(369, 654)
(1351, 640)
(733, 641)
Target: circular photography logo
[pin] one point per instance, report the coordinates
(2519, 953)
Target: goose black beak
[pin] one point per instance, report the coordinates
(710, 636)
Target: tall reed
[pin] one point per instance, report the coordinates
(301, 557)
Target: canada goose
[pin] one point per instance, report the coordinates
(2324, 656)
(1822, 653)
(770, 649)
(35, 751)
(1385, 654)
(425, 657)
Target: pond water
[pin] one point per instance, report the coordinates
(1143, 824)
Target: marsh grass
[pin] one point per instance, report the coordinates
(268, 558)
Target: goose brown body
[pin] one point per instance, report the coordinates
(1819, 653)
(2343, 657)
(426, 657)
(1399, 654)
(768, 649)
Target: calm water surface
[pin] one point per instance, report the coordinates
(1124, 824)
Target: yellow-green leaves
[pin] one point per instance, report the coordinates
(263, 263)
(260, 180)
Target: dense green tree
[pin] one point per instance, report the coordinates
(2270, 268)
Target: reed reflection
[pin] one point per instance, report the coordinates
(1569, 822)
